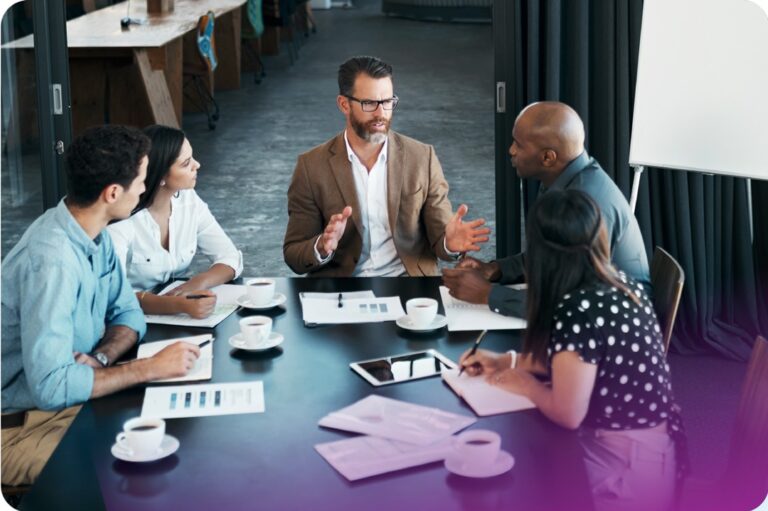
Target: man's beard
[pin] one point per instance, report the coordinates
(363, 131)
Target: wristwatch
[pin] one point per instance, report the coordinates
(101, 357)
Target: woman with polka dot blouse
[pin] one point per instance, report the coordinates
(595, 333)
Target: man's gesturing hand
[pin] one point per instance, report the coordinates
(333, 232)
(463, 236)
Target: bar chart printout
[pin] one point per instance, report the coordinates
(203, 400)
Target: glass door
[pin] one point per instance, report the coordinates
(34, 113)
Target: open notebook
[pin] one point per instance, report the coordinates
(482, 397)
(203, 368)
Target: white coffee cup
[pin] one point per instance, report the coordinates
(141, 436)
(421, 311)
(260, 291)
(255, 329)
(477, 447)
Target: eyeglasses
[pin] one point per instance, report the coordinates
(371, 105)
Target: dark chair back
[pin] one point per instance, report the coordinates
(667, 279)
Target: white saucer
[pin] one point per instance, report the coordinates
(245, 302)
(274, 339)
(406, 323)
(168, 446)
(503, 463)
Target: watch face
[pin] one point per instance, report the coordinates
(102, 358)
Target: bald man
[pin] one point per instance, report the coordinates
(548, 145)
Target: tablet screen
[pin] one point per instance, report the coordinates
(400, 368)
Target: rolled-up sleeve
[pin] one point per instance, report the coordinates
(213, 242)
(49, 295)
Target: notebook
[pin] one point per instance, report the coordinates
(482, 397)
(203, 368)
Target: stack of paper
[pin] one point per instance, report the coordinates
(203, 368)
(402, 435)
(366, 456)
(349, 307)
(464, 316)
(226, 304)
(484, 398)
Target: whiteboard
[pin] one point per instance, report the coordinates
(701, 99)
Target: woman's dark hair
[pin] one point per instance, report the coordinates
(349, 70)
(102, 156)
(166, 147)
(567, 249)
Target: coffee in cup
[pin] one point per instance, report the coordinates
(260, 291)
(255, 329)
(477, 448)
(141, 436)
(421, 311)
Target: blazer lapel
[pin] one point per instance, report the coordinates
(395, 169)
(341, 168)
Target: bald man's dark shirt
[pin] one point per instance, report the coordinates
(627, 248)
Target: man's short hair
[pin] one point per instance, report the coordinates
(102, 156)
(349, 70)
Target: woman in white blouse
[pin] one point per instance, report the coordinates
(167, 228)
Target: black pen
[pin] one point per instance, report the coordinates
(340, 304)
(474, 348)
(197, 297)
(204, 343)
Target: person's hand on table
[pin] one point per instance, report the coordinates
(490, 271)
(199, 308)
(517, 381)
(483, 362)
(463, 236)
(174, 360)
(466, 284)
(333, 232)
(192, 286)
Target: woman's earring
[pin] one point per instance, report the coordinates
(162, 183)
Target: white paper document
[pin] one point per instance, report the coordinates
(203, 368)
(484, 398)
(397, 420)
(366, 456)
(226, 304)
(356, 307)
(464, 316)
(203, 400)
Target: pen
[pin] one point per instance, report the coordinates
(197, 297)
(204, 343)
(340, 304)
(474, 347)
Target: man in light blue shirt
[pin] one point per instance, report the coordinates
(68, 312)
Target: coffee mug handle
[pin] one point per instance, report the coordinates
(120, 441)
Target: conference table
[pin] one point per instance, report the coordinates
(136, 76)
(268, 461)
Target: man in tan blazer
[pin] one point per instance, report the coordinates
(390, 186)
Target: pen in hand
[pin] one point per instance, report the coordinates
(474, 347)
(204, 343)
(197, 297)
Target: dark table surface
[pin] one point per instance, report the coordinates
(267, 460)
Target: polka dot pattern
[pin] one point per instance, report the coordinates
(632, 387)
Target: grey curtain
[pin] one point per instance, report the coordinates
(584, 53)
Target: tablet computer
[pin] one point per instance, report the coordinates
(400, 368)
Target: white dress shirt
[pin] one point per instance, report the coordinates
(191, 227)
(378, 257)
